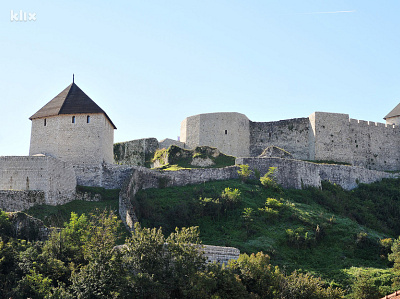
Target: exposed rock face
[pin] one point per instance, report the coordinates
(202, 162)
(275, 152)
(201, 156)
(27, 227)
(135, 152)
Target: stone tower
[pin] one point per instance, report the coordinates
(227, 131)
(393, 118)
(73, 128)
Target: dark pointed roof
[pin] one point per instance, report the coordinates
(394, 112)
(72, 100)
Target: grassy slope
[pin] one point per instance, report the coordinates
(352, 223)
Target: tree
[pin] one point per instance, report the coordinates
(305, 286)
(395, 255)
(364, 287)
(163, 267)
(103, 275)
(258, 275)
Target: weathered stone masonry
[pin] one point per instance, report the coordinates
(55, 178)
(321, 136)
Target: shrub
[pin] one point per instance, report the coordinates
(231, 197)
(273, 203)
(268, 180)
(244, 172)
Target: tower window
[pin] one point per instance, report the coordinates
(73, 119)
(45, 122)
(226, 132)
(88, 119)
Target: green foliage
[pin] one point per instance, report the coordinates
(160, 155)
(305, 286)
(5, 225)
(395, 255)
(33, 285)
(231, 197)
(364, 287)
(56, 216)
(268, 180)
(258, 275)
(273, 203)
(300, 238)
(327, 162)
(164, 267)
(244, 172)
(328, 237)
(386, 247)
(179, 158)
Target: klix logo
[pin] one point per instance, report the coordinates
(22, 16)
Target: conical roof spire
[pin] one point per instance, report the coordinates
(72, 100)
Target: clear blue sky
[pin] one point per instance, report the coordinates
(150, 64)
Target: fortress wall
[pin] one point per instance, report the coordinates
(78, 143)
(220, 254)
(23, 173)
(298, 174)
(167, 142)
(290, 173)
(331, 137)
(358, 142)
(190, 131)
(291, 135)
(135, 152)
(12, 201)
(62, 182)
(227, 131)
(374, 145)
(109, 176)
(54, 177)
(107, 143)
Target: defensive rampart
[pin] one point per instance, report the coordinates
(291, 135)
(321, 136)
(25, 173)
(298, 174)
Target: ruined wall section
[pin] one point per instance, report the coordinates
(135, 152)
(227, 131)
(299, 174)
(79, 143)
(12, 201)
(291, 135)
(109, 176)
(167, 142)
(24, 173)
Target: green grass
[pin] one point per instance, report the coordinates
(327, 162)
(351, 223)
(58, 215)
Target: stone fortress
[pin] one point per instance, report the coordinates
(72, 143)
(321, 136)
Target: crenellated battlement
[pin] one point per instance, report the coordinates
(321, 136)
